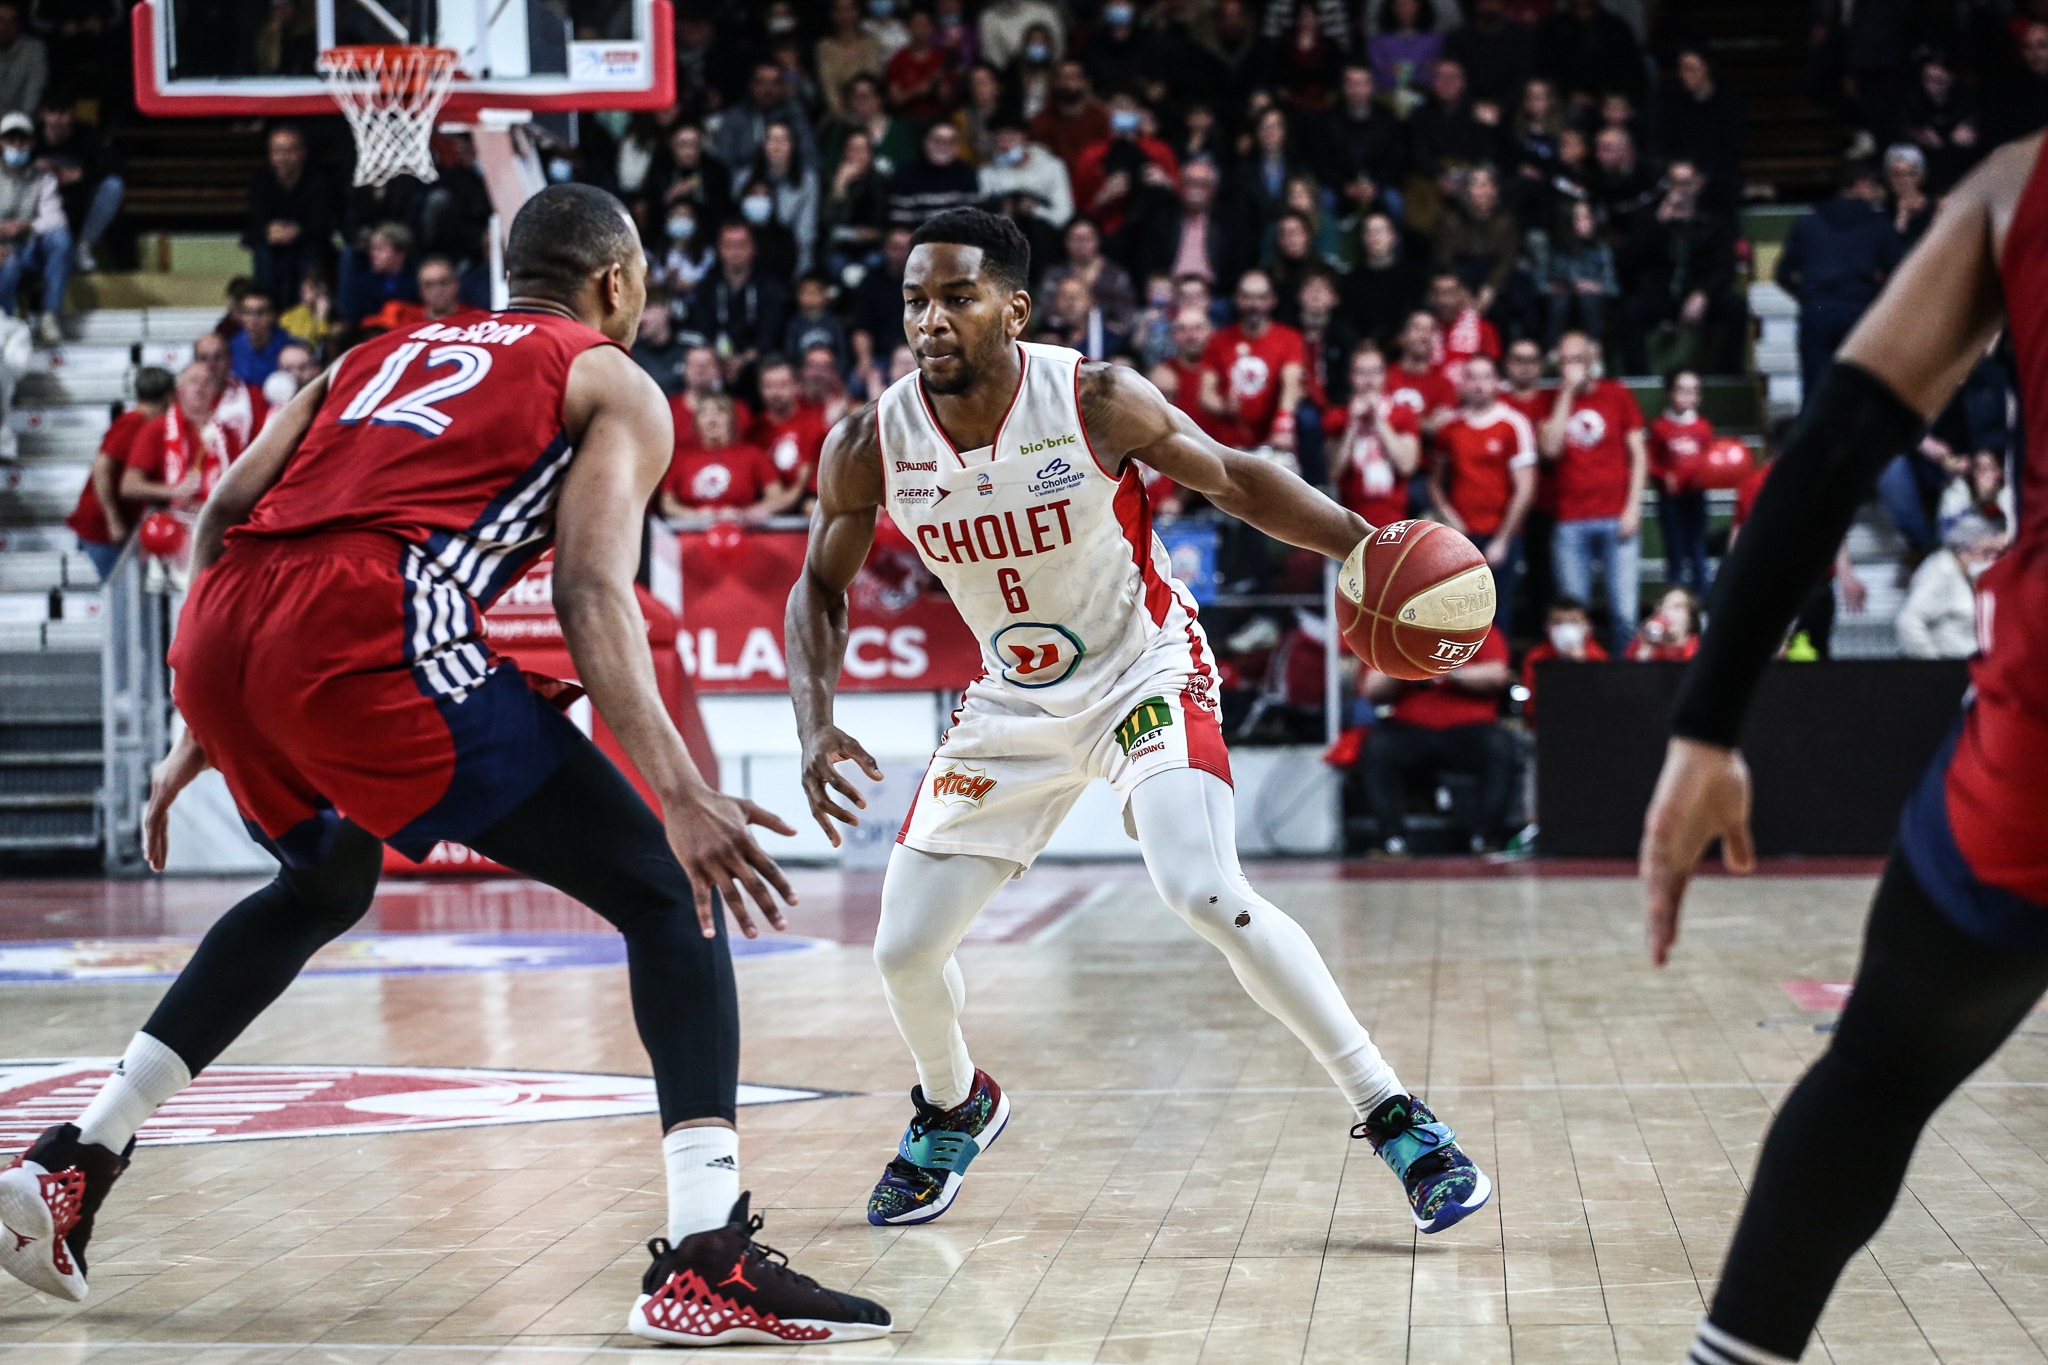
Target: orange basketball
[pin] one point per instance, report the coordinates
(1414, 599)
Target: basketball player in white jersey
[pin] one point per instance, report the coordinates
(1011, 468)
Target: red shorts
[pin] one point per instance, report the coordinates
(337, 676)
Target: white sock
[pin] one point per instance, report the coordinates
(1715, 1347)
(703, 1178)
(147, 1074)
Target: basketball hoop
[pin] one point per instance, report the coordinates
(390, 93)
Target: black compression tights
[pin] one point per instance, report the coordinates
(585, 832)
(1930, 1006)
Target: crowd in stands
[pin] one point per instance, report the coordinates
(1404, 246)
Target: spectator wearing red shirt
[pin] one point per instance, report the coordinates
(1567, 636)
(1381, 447)
(792, 434)
(1256, 367)
(1463, 331)
(179, 457)
(730, 481)
(1073, 119)
(1678, 442)
(1111, 171)
(1448, 724)
(702, 379)
(1670, 634)
(1179, 377)
(921, 73)
(102, 520)
(1483, 479)
(1595, 434)
(1414, 380)
(239, 408)
(1522, 370)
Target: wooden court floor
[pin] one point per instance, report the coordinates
(1177, 1184)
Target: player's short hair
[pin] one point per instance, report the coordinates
(153, 384)
(563, 236)
(1005, 255)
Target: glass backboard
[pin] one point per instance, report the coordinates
(545, 55)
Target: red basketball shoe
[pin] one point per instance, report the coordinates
(47, 1201)
(723, 1288)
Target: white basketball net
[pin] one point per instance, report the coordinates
(390, 96)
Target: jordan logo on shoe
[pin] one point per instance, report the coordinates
(739, 1275)
(723, 1163)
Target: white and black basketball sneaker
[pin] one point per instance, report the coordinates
(48, 1197)
(723, 1288)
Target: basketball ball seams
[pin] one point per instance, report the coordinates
(1377, 633)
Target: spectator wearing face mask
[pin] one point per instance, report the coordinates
(1567, 635)
(791, 190)
(33, 232)
(776, 254)
(1670, 634)
(1073, 120)
(1026, 177)
(1005, 24)
(1939, 618)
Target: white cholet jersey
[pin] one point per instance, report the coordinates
(1049, 558)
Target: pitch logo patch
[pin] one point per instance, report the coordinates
(1147, 719)
(961, 784)
(248, 1103)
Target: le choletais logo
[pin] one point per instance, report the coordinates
(961, 784)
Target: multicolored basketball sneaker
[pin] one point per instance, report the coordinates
(723, 1288)
(921, 1180)
(48, 1197)
(1443, 1185)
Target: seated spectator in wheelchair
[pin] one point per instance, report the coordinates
(1568, 635)
(1670, 634)
(1449, 724)
(33, 231)
(88, 172)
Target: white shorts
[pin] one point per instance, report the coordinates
(1006, 773)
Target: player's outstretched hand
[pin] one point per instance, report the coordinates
(711, 841)
(185, 761)
(825, 749)
(1702, 795)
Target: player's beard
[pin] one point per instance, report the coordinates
(972, 366)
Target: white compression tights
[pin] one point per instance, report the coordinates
(1187, 829)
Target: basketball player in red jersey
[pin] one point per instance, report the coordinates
(330, 663)
(1956, 950)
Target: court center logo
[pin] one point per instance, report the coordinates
(1147, 719)
(1034, 654)
(961, 784)
(247, 1103)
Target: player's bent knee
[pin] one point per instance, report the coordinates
(902, 956)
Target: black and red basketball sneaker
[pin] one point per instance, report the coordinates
(723, 1288)
(48, 1197)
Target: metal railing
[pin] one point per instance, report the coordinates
(135, 699)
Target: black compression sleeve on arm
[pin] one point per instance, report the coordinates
(1852, 427)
